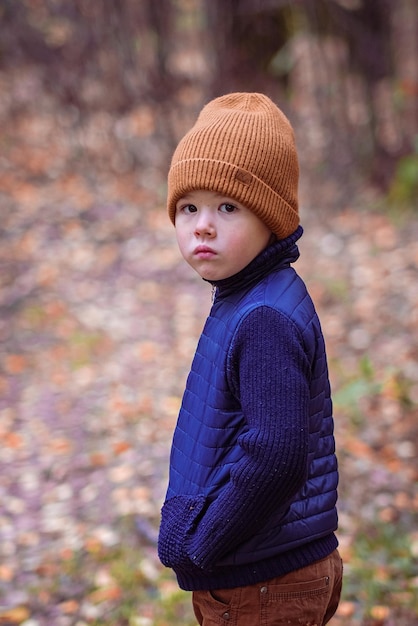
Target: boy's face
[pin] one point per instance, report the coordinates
(217, 236)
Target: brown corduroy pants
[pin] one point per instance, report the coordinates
(306, 597)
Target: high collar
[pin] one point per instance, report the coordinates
(277, 255)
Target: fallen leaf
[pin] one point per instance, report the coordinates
(14, 616)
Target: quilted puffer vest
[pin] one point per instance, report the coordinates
(210, 421)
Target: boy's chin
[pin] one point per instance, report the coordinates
(213, 277)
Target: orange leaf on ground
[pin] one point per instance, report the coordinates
(346, 609)
(93, 545)
(358, 448)
(13, 440)
(69, 607)
(98, 459)
(380, 613)
(61, 445)
(121, 446)
(105, 594)
(15, 363)
(14, 616)
(6, 573)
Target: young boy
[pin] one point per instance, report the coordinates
(249, 518)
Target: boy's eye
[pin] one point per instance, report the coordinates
(189, 208)
(226, 207)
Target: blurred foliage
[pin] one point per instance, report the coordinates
(350, 66)
(103, 54)
(96, 342)
(382, 573)
(106, 584)
(380, 562)
(356, 387)
(121, 585)
(404, 187)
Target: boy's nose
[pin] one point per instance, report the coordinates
(204, 224)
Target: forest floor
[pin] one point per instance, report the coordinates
(98, 326)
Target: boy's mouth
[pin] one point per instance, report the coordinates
(204, 252)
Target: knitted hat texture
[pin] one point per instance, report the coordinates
(243, 147)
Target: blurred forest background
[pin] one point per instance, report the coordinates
(99, 316)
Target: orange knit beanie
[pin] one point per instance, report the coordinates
(243, 147)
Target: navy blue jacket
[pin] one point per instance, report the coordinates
(253, 473)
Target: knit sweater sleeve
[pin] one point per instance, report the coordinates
(269, 374)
